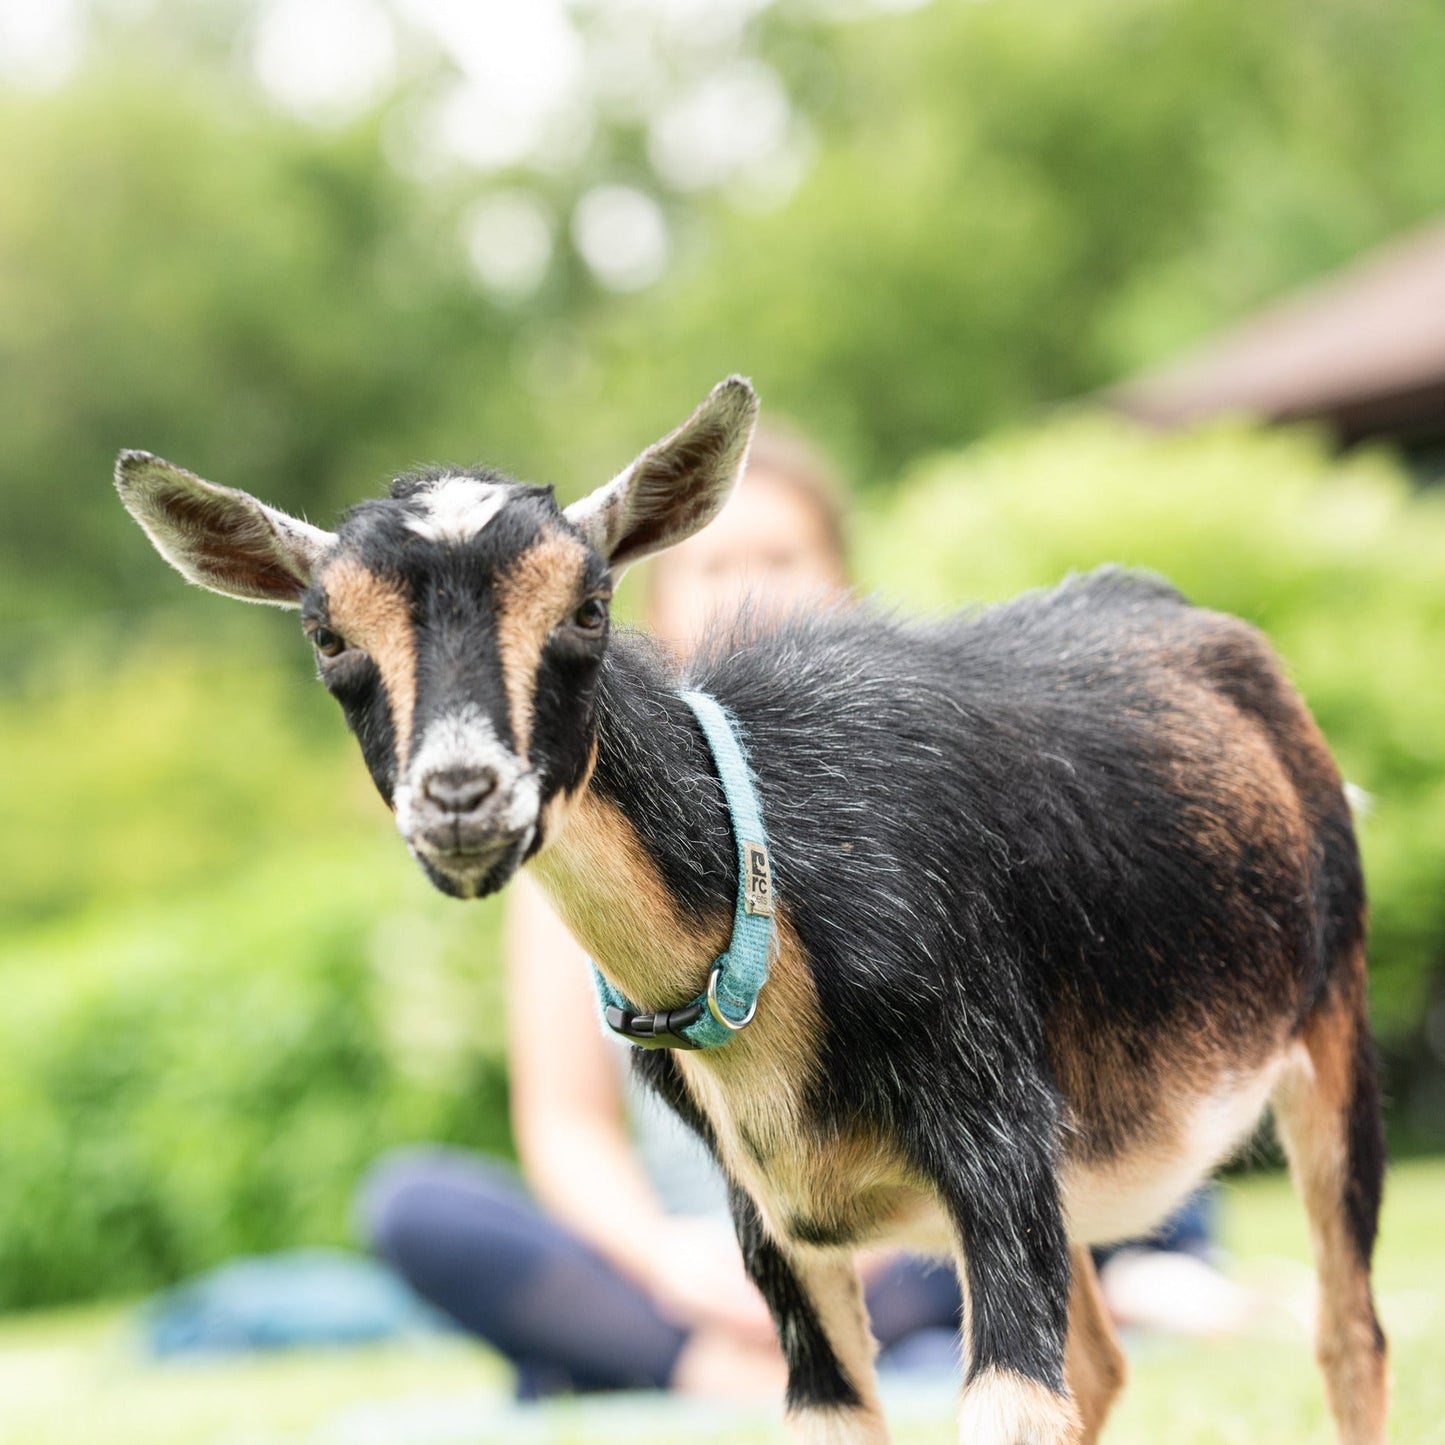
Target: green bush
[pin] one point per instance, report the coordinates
(226, 988)
(210, 1076)
(1339, 561)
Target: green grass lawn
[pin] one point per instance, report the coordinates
(73, 1379)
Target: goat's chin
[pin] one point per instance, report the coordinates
(467, 875)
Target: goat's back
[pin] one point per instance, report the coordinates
(1093, 828)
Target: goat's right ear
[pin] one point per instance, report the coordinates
(678, 485)
(220, 538)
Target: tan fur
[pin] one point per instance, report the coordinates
(615, 903)
(837, 1427)
(1196, 1124)
(1311, 1107)
(1144, 1106)
(609, 893)
(831, 1279)
(751, 1090)
(1003, 1408)
(1149, 1118)
(612, 898)
(531, 597)
(1094, 1362)
(373, 613)
(1253, 800)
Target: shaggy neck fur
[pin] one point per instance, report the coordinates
(644, 871)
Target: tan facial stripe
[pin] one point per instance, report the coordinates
(559, 807)
(530, 598)
(372, 613)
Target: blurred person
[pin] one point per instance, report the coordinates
(615, 1265)
(1172, 1281)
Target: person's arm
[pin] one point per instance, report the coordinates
(569, 1122)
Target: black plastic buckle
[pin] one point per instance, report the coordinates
(654, 1031)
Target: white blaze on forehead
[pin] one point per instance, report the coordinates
(455, 509)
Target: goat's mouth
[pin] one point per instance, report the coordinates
(475, 868)
(470, 851)
(468, 827)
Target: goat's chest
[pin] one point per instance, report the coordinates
(840, 1187)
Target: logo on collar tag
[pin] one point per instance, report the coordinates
(758, 885)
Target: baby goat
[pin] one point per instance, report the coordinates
(1066, 893)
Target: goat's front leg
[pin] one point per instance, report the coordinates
(1013, 1259)
(817, 1306)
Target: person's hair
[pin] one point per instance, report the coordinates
(788, 456)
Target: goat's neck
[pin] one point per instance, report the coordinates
(642, 869)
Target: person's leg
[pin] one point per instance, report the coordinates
(915, 1311)
(1193, 1228)
(467, 1238)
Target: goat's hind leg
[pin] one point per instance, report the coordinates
(1094, 1362)
(1327, 1108)
(817, 1306)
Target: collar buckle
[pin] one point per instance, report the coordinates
(662, 1030)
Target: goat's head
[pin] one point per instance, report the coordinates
(460, 622)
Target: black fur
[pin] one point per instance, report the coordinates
(986, 832)
(814, 1375)
(815, 1378)
(1365, 1141)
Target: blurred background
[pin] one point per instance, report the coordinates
(1153, 281)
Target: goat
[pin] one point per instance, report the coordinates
(1067, 892)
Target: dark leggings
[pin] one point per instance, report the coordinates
(468, 1238)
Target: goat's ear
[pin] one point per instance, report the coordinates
(217, 537)
(678, 485)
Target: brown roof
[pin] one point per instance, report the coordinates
(1364, 349)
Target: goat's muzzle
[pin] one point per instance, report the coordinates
(451, 812)
(468, 827)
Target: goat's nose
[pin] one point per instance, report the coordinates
(459, 790)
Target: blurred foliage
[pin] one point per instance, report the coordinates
(1014, 204)
(1000, 206)
(259, 301)
(226, 989)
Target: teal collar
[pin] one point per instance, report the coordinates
(730, 1000)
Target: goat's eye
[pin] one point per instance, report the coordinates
(591, 616)
(327, 642)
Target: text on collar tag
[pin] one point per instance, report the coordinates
(758, 885)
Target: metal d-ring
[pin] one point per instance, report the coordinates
(714, 1009)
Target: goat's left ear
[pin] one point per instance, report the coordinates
(678, 485)
(220, 538)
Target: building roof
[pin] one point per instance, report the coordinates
(1363, 349)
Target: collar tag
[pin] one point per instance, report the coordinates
(758, 884)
